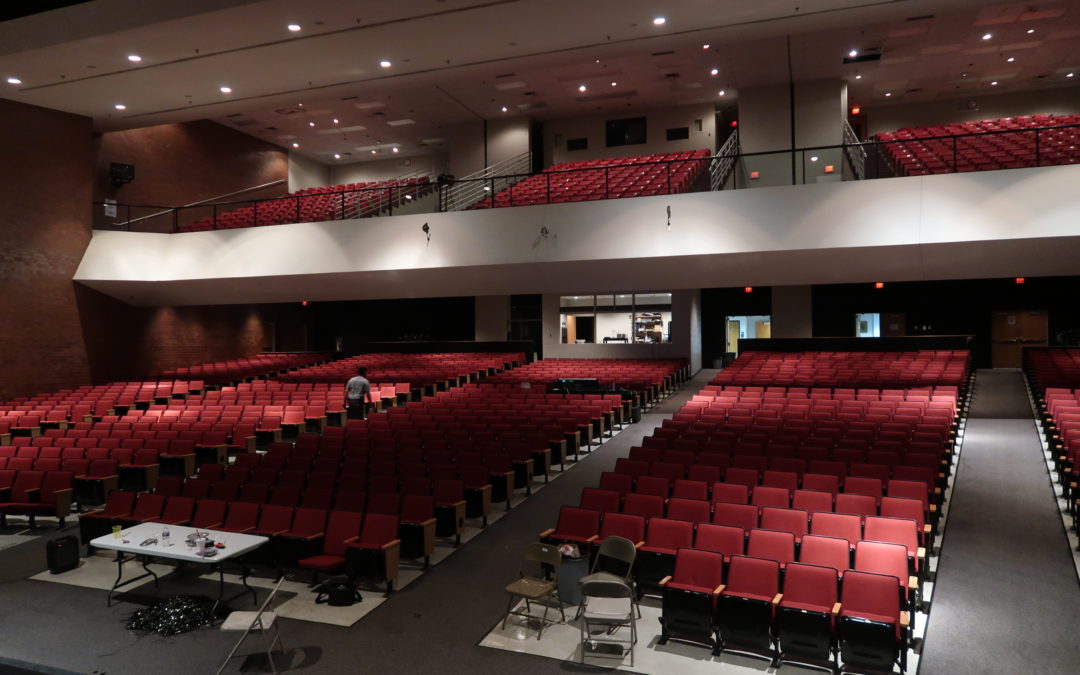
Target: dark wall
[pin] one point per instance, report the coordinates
(358, 322)
(950, 307)
(179, 164)
(48, 160)
(718, 303)
(130, 343)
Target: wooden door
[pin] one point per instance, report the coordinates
(893, 324)
(1011, 331)
(732, 339)
(571, 329)
(763, 329)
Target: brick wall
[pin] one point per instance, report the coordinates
(48, 160)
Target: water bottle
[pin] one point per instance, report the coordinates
(165, 536)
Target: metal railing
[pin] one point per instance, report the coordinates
(854, 152)
(728, 169)
(462, 194)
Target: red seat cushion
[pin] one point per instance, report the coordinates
(322, 563)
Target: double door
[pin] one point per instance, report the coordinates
(1011, 331)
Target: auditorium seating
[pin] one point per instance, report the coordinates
(316, 204)
(428, 371)
(1054, 377)
(848, 369)
(615, 178)
(236, 370)
(1003, 143)
(652, 377)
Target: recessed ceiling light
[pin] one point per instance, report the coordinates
(706, 45)
(408, 196)
(1011, 59)
(614, 84)
(504, 108)
(813, 158)
(1030, 31)
(487, 188)
(721, 92)
(598, 60)
(714, 72)
(134, 58)
(336, 121)
(1066, 75)
(295, 27)
(987, 36)
(226, 90)
(888, 93)
(337, 156)
(385, 64)
(853, 53)
(858, 77)
(374, 152)
(120, 106)
(299, 105)
(582, 87)
(296, 145)
(311, 124)
(994, 83)
(14, 80)
(396, 149)
(659, 21)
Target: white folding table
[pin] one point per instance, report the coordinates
(129, 546)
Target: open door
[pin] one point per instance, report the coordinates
(1011, 331)
(732, 338)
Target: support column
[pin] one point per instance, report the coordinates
(792, 312)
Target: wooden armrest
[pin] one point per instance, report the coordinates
(927, 528)
(639, 544)
(547, 532)
(351, 540)
(905, 620)
(913, 582)
(313, 537)
(719, 589)
(427, 523)
(663, 582)
(592, 538)
(33, 494)
(836, 609)
(920, 553)
(391, 544)
(458, 504)
(933, 508)
(777, 598)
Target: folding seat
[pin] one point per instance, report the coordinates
(663, 537)
(723, 539)
(856, 485)
(177, 459)
(599, 500)
(742, 476)
(858, 505)
(142, 473)
(744, 516)
(901, 531)
(300, 540)
(177, 511)
(746, 604)
(263, 476)
(209, 514)
(255, 493)
(477, 492)
(691, 489)
(628, 526)
(653, 485)
(706, 474)
(148, 507)
(812, 500)
(98, 523)
(825, 551)
(169, 486)
(693, 510)
(731, 493)
(273, 520)
(782, 479)
(795, 521)
(211, 472)
(689, 597)
(292, 478)
(100, 479)
(911, 509)
(667, 470)
(889, 559)
(350, 500)
(649, 506)
(843, 526)
(805, 617)
(821, 483)
(317, 498)
(322, 480)
(576, 525)
(196, 488)
(242, 517)
(771, 545)
(762, 496)
(342, 529)
(249, 460)
(376, 552)
(38, 493)
(873, 632)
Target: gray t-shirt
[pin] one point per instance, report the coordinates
(357, 388)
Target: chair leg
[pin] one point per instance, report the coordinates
(269, 652)
(509, 606)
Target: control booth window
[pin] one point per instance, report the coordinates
(620, 318)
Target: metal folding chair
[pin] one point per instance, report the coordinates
(261, 621)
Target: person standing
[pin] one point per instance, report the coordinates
(358, 395)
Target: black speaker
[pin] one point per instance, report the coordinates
(121, 173)
(62, 554)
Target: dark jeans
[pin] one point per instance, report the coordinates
(357, 409)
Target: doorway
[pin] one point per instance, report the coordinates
(1011, 331)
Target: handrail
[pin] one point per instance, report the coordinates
(724, 163)
(463, 193)
(856, 153)
(168, 209)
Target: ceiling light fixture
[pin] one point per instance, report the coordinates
(721, 92)
(337, 156)
(714, 72)
(994, 83)
(853, 53)
(120, 106)
(296, 145)
(659, 21)
(813, 158)
(226, 90)
(385, 64)
(987, 36)
(14, 80)
(706, 45)
(858, 77)
(294, 27)
(311, 124)
(888, 94)
(504, 108)
(614, 83)
(134, 58)
(1030, 31)
(582, 87)
(1066, 75)
(396, 149)
(1011, 59)
(374, 152)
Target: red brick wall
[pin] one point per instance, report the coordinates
(48, 160)
(179, 164)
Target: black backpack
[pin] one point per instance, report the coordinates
(337, 593)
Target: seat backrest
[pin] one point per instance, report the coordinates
(209, 513)
(883, 558)
(275, 518)
(856, 504)
(771, 545)
(619, 482)
(811, 585)
(379, 529)
(26, 480)
(812, 500)
(653, 485)
(668, 533)
(596, 499)
(307, 521)
(903, 507)
(623, 525)
(617, 554)
(723, 539)
(254, 492)
(758, 576)
(911, 490)
(149, 506)
(242, 516)
(731, 493)
(817, 549)
(845, 526)
(341, 526)
(690, 489)
(384, 502)
(449, 490)
(693, 510)
(119, 503)
(702, 569)
(821, 482)
(858, 485)
(902, 531)
(178, 509)
(649, 506)
(578, 522)
(872, 596)
(795, 521)
(744, 516)
(763, 496)
(417, 508)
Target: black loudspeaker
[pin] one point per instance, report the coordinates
(121, 173)
(62, 554)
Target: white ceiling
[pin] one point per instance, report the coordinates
(461, 60)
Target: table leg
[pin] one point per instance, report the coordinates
(120, 560)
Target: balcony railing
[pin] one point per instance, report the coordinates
(729, 169)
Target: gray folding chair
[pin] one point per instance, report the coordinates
(607, 605)
(615, 560)
(537, 561)
(261, 621)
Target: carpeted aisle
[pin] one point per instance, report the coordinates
(1006, 598)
